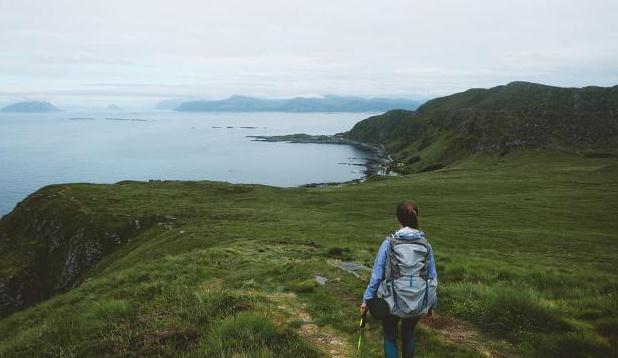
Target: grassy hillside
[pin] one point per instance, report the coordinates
(498, 120)
(526, 247)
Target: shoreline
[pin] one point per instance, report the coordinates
(378, 162)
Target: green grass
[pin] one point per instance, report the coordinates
(495, 121)
(525, 246)
(251, 335)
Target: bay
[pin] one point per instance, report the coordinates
(107, 147)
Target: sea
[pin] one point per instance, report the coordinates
(106, 147)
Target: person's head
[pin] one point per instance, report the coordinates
(407, 214)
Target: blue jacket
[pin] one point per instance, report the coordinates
(379, 266)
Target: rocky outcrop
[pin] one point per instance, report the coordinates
(49, 243)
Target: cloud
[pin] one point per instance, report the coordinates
(145, 49)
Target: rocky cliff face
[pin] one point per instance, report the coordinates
(48, 244)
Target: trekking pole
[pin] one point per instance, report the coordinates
(361, 326)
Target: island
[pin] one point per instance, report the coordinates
(30, 107)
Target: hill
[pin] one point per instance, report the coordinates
(213, 269)
(298, 104)
(498, 120)
(30, 107)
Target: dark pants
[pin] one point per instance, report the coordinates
(408, 341)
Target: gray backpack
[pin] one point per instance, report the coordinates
(407, 288)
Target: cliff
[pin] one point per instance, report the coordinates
(50, 241)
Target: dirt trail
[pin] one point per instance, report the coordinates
(324, 338)
(456, 331)
(450, 329)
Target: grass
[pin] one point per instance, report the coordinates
(251, 335)
(525, 246)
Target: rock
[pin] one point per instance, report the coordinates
(81, 254)
(352, 267)
(113, 236)
(61, 246)
(321, 280)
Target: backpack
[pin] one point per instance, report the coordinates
(407, 288)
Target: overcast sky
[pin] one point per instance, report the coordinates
(141, 51)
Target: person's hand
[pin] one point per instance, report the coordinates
(363, 309)
(428, 318)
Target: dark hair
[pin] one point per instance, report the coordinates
(407, 214)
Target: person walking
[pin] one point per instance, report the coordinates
(403, 282)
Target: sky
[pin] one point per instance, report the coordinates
(137, 52)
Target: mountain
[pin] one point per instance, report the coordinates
(298, 104)
(498, 120)
(30, 107)
(112, 107)
(169, 103)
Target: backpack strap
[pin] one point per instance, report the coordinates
(392, 270)
(425, 270)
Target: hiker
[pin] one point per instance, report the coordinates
(403, 282)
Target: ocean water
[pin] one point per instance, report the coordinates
(68, 147)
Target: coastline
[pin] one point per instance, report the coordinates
(377, 163)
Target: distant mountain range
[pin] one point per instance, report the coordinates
(170, 103)
(30, 107)
(297, 104)
(519, 115)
